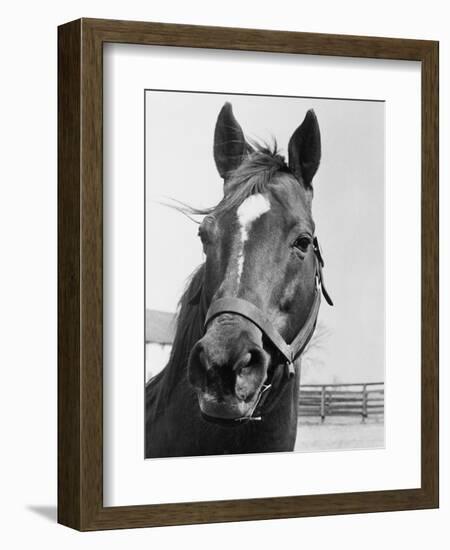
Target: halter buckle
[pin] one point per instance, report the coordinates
(290, 362)
(318, 251)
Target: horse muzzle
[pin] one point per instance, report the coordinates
(228, 368)
(230, 409)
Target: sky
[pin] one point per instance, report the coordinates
(348, 209)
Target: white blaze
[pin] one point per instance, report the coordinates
(250, 210)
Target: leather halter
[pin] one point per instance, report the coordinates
(289, 352)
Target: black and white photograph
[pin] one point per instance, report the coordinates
(264, 274)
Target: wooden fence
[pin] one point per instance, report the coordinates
(322, 400)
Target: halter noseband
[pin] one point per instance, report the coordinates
(290, 352)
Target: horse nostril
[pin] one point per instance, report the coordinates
(198, 366)
(242, 362)
(251, 369)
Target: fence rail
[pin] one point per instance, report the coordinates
(322, 400)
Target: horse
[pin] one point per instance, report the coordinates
(231, 385)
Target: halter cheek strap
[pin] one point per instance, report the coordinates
(290, 352)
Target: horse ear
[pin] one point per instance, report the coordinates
(305, 149)
(229, 142)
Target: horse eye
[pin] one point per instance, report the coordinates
(302, 243)
(202, 233)
(206, 229)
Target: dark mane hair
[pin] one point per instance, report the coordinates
(189, 328)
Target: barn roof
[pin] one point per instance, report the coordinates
(159, 327)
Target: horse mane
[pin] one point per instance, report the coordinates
(189, 328)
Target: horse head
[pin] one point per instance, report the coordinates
(262, 271)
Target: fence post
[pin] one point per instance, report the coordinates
(322, 404)
(364, 403)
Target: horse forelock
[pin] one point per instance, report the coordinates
(256, 174)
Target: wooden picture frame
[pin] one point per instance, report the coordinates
(80, 273)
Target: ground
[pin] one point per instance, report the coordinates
(339, 433)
